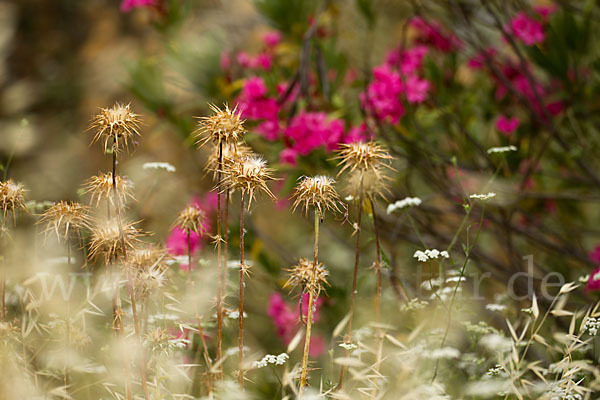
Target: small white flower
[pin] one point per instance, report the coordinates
(502, 149)
(483, 197)
(271, 359)
(348, 346)
(495, 307)
(424, 256)
(443, 353)
(456, 279)
(349, 198)
(159, 165)
(406, 202)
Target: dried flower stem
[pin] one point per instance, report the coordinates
(220, 289)
(241, 310)
(130, 283)
(309, 318)
(206, 355)
(379, 332)
(189, 251)
(348, 337)
(3, 290)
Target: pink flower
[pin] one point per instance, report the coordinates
(272, 38)
(225, 61)
(409, 61)
(478, 61)
(311, 130)
(526, 29)
(507, 126)
(357, 134)
(416, 89)
(288, 156)
(128, 5)
(244, 59)
(263, 61)
(287, 322)
(594, 281)
(545, 11)
(432, 33)
(383, 94)
(254, 88)
(254, 105)
(595, 255)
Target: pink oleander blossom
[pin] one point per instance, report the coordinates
(288, 156)
(358, 133)
(383, 95)
(545, 11)
(507, 126)
(416, 89)
(409, 62)
(287, 321)
(264, 61)
(311, 130)
(128, 5)
(272, 38)
(478, 61)
(595, 255)
(432, 33)
(254, 105)
(593, 283)
(527, 29)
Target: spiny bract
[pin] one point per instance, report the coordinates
(115, 127)
(318, 192)
(224, 127)
(248, 174)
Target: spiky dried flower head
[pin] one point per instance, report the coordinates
(224, 127)
(146, 257)
(148, 281)
(318, 192)
(306, 277)
(229, 154)
(368, 183)
(12, 197)
(191, 219)
(115, 127)
(101, 188)
(248, 174)
(106, 239)
(362, 156)
(64, 216)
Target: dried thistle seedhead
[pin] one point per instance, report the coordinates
(101, 188)
(223, 127)
(148, 281)
(230, 154)
(77, 336)
(147, 257)
(368, 183)
(12, 197)
(106, 239)
(64, 216)
(318, 192)
(363, 156)
(248, 174)
(191, 219)
(115, 127)
(307, 278)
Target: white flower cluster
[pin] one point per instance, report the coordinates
(561, 393)
(495, 307)
(271, 359)
(483, 197)
(348, 346)
(592, 326)
(159, 165)
(502, 149)
(424, 256)
(498, 370)
(406, 202)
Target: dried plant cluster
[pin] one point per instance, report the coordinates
(159, 332)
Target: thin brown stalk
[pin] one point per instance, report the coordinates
(189, 251)
(3, 290)
(309, 317)
(220, 289)
(206, 355)
(379, 332)
(129, 285)
(241, 310)
(348, 337)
